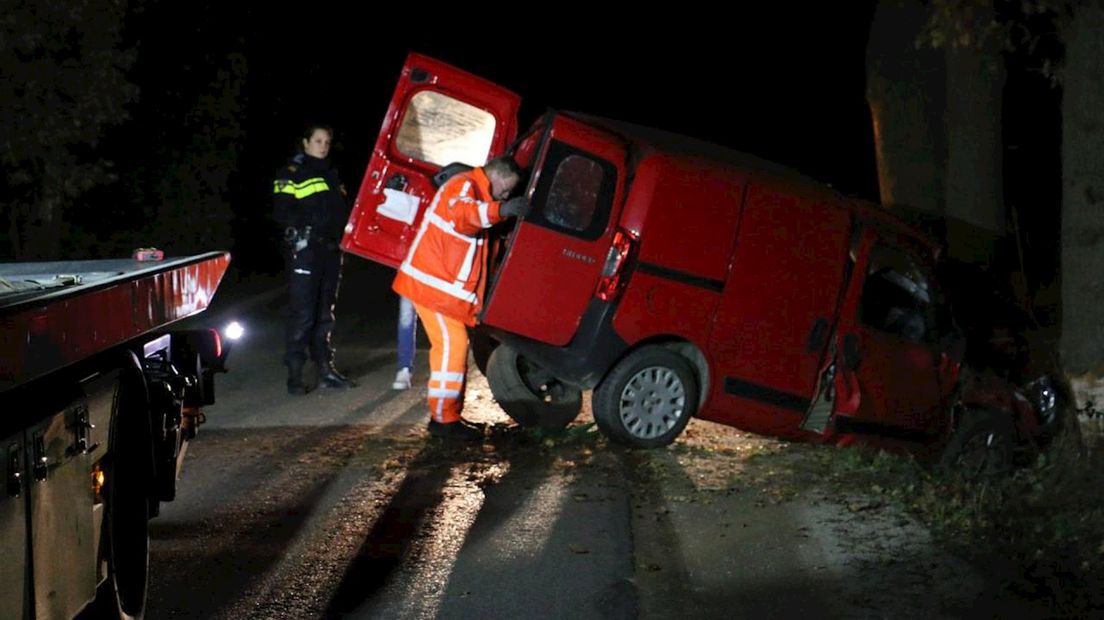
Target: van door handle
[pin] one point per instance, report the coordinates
(851, 354)
(818, 336)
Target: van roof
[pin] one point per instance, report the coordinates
(679, 145)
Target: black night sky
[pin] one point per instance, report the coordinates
(784, 85)
(788, 90)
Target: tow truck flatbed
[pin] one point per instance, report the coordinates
(53, 314)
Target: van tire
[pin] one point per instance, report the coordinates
(527, 394)
(981, 447)
(647, 399)
(482, 346)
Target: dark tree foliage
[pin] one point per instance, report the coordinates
(190, 120)
(63, 84)
(90, 168)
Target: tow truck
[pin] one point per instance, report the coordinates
(98, 400)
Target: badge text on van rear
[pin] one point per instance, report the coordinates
(579, 257)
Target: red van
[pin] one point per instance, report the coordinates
(676, 278)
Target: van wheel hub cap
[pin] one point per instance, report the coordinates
(653, 400)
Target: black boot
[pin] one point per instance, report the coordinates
(461, 430)
(329, 377)
(295, 383)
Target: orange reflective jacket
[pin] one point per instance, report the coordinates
(446, 267)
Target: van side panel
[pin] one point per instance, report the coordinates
(685, 212)
(773, 325)
(691, 215)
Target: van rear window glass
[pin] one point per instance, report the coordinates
(573, 197)
(574, 193)
(440, 130)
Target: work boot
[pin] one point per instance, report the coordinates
(329, 377)
(295, 383)
(461, 430)
(402, 379)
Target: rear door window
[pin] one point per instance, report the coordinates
(575, 192)
(440, 130)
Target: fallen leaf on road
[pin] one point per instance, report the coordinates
(859, 506)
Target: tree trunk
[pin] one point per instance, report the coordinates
(905, 90)
(1082, 341)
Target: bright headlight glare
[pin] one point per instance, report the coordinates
(234, 330)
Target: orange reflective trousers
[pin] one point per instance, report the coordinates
(448, 364)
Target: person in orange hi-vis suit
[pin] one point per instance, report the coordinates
(445, 275)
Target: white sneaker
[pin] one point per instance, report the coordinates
(402, 379)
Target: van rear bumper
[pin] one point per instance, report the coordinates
(586, 359)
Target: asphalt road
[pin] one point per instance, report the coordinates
(337, 504)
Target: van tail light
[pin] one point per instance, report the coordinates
(612, 280)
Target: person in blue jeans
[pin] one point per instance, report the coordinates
(407, 336)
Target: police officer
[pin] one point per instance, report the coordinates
(310, 203)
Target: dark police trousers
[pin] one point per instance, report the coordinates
(314, 274)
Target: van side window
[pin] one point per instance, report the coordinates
(575, 192)
(897, 296)
(440, 130)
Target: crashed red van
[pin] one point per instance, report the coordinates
(676, 278)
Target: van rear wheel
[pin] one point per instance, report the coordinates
(528, 393)
(481, 346)
(647, 399)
